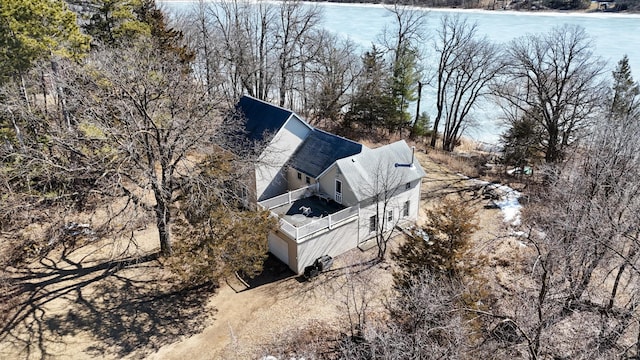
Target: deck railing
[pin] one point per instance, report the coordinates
(317, 225)
(289, 197)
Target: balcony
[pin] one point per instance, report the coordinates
(304, 212)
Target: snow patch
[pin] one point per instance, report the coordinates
(507, 201)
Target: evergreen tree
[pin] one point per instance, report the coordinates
(114, 22)
(626, 91)
(404, 83)
(373, 102)
(36, 29)
(441, 246)
(522, 142)
(169, 39)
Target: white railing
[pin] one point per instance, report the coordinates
(312, 227)
(344, 214)
(289, 197)
(288, 229)
(328, 222)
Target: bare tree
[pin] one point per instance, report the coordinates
(425, 322)
(297, 43)
(200, 35)
(235, 40)
(140, 111)
(586, 261)
(385, 183)
(263, 49)
(331, 82)
(466, 65)
(555, 80)
(402, 41)
(409, 29)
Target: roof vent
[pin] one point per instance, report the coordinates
(409, 165)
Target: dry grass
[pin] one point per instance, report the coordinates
(456, 163)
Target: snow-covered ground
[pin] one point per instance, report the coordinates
(507, 201)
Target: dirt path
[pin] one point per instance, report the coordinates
(249, 320)
(83, 304)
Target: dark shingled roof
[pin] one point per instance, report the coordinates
(321, 149)
(262, 117)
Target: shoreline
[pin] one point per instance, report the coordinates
(541, 12)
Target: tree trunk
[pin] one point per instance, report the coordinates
(415, 122)
(62, 99)
(163, 217)
(16, 128)
(434, 133)
(23, 91)
(553, 152)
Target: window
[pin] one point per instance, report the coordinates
(407, 186)
(338, 197)
(373, 223)
(307, 180)
(390, 216)
(405, 209)
(299, 176)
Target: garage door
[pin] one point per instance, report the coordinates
(279, 248)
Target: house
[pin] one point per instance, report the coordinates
(331, 194)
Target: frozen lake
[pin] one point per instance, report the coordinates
(613, 35)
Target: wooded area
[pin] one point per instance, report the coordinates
(114, 115)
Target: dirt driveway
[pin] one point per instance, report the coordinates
(81, 303)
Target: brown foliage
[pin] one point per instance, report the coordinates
(442, 245)
(225, 242)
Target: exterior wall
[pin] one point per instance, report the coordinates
(368, 209)
(271, 177)
(276, 236)
(294, 182)
(328, 186)
(333, 243)
(348, 235)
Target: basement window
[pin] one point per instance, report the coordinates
(373, 222)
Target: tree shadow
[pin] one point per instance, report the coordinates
(273, 270)
(127, 306)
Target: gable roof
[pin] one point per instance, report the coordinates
(262, 118)
(391, 163)
(320, 150)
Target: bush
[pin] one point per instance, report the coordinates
(440, 246)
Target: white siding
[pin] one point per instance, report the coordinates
(279, 248)
(294, 182)
(328, 186)
(368, 209)
(332, 243)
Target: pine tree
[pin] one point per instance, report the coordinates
(626, 91)
(114, 22)
(440, 246)
(36, 29)
(373, 103)
(404, 83)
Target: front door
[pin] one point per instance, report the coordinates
(338, 191)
